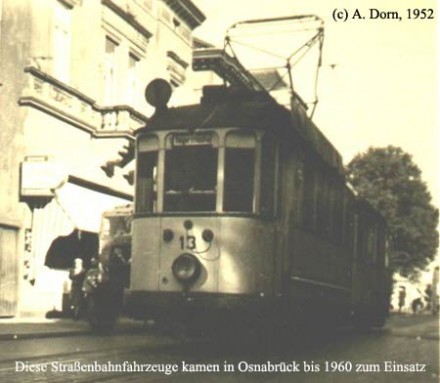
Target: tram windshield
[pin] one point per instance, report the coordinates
(190, 179)
(201, 172)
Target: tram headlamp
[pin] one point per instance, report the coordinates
(207, 235)
(167, 235)
(188, 224)
(186, 268)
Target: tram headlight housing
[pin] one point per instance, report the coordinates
(186, 268)
(167, 235)
(207, 235)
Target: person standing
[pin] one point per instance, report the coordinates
(76, 274)
(402, 297)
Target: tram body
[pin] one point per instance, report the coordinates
(242, 210)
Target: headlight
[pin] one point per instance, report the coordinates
(167, 235)
(186, 268)
(207, 235)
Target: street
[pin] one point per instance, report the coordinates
(406, 350)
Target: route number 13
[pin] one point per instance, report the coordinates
(187, 242)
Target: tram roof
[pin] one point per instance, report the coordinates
(228, 107)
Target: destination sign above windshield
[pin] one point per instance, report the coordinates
(192, 139)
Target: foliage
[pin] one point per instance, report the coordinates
(391, 182)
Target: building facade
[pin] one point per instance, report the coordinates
(72, 78)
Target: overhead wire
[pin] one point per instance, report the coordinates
(298, 54)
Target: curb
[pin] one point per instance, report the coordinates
(39, 335)
(20, 334)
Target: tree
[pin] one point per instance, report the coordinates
(390, 181)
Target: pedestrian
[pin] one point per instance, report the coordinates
(402, 297)
(416, 305)
(76, 274)
(428, 297)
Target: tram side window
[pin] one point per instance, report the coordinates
(337, 222)
(146, 195)
(239, 180)
(361, 245)
(190, 179)
(381, 245)
(239, 173)
(372, 244)
(268, 181)
(348, 219)
(322, 205)
(309, 198)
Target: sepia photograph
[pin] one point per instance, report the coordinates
(219, 191)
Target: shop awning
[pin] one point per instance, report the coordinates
(85, 207)
(73, 222)
(64, 249)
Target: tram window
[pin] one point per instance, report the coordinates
(361, 238)
(322, 205)
(190, 179)
(381, 245)
(348, 219)
(371, 244)
(337, 214)
(309, 198)
(239, 180)
(146, 195)
(268, 170)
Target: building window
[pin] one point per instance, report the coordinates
(62, 42)
(110, 70)
(148, 4)
(133, 78)
(165, 15)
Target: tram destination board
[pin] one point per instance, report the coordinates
(197, 139)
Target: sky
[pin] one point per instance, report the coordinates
(378, 84)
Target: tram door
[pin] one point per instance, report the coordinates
(8, 271)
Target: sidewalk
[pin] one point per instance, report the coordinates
(33, 328)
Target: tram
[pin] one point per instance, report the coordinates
(242, 212)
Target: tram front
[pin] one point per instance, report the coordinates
(204, 222)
